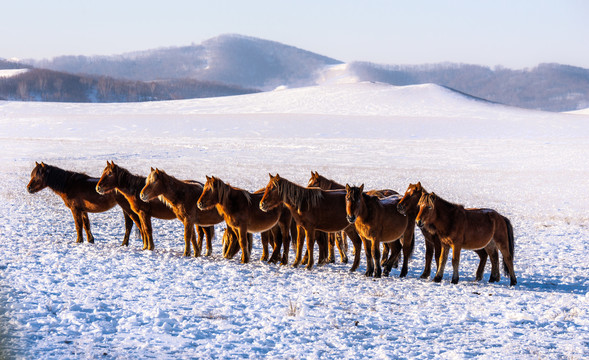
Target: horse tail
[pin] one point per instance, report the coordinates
(511, 243)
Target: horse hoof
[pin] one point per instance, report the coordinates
(454, 281)
(438, 279)
(513, 282)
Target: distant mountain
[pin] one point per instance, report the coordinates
(231, 59)
(550, 87)
(251, 63)
(48, 85)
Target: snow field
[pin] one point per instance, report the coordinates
(59, 299)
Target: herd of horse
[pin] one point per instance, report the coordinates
(324, 211)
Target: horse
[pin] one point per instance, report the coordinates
(313, 209)
(129, 185)
(408, 206)
(460, 228)
(378, 220)
(180, 196)
(324, 183)
(242, 213)
(78, 193)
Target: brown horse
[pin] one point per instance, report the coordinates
(460, 228)
(79, 195)
(313, 209)
(324, 183)
(378, 220)
(241, 212)
(129, 185)
(180, 196)
(408, 206)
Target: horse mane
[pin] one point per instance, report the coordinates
(134, 182)
(298, 195)
(60, 180)
(224, 191)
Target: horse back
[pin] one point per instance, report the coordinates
(81, 194)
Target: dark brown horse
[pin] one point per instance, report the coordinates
(180, 196)
(313, 209)
(78, 192)
(459, 228)
(324, 183)
(242, 213)
(129, 185)
(378, 220)
(408, 206)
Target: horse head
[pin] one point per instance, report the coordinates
(210, 194)
(427, 210)
(272, 197)
(315, 180)
(108, 179)
(410, 199)
(38, 180)
(353, 202)
(154, 185)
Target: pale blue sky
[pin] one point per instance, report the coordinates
(515, 34)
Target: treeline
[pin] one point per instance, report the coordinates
(550, 87)
(48, 85)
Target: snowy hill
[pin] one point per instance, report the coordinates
(231, 59)
(59, 299)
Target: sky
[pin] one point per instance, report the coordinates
(513, 34)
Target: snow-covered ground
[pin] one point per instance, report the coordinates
(59, 299)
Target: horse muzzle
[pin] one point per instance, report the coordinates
(144, 197)
(401, 209)
(100, 190)
(263, 207)
(200, 205)
(419, 223)
(351, 219)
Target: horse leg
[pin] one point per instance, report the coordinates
(210, 236)
(442, 263)
(148, 242)
(323, 243)
(429, 254)
(265, 237)
(188, 233)
(482, 262)
(370, 260)
(408, 245)
(385, 253)
(244, 244)
(278, 236)
(376, 257)
(79, 222)
(342, 246)
(286, 240)
(300, 239)
(355, 238)
(331, 248)
(310, 233)
(395, 248)
(455, 262)
(128, 227)
(200, 237)
(86, 223)
(493, 253)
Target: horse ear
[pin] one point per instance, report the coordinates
(152, 169)
(362, 188)
(347, 187)
(43, 164)
(419, 185)
(208, 178)
(36, 163)
(277, 176)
